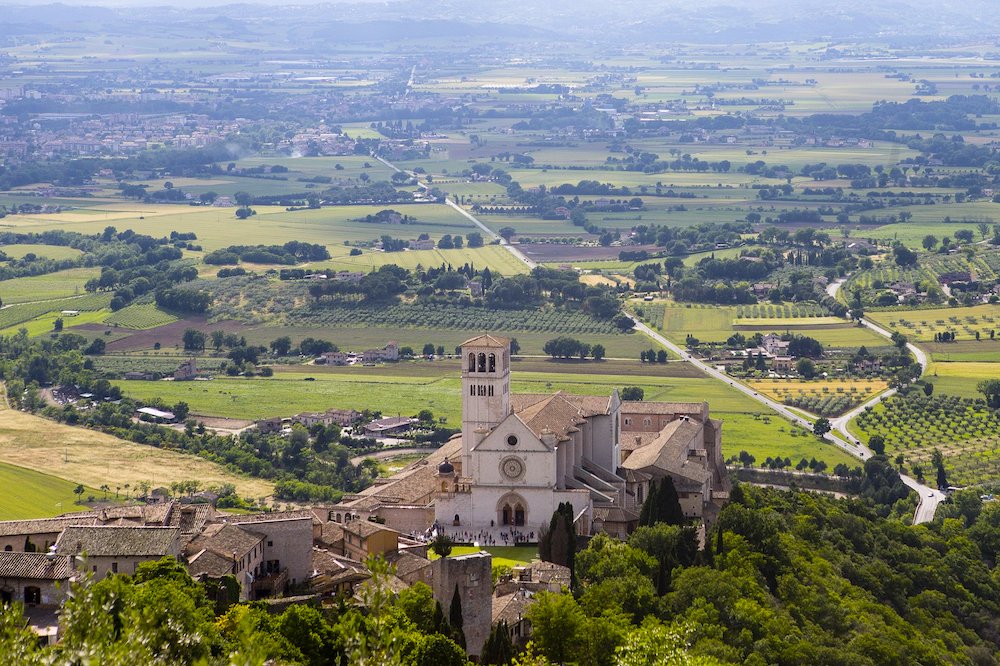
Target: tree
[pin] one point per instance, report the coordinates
(428, 349)
(556, 621)
(507, 233)
(455, 618)
(990, 388)
(193, 339)
(928, 389)
(498, 650)
(806, 368)
(78, 491)
(904, 256)
(475, 239)
(281, 346)
(597, 351)
(57, 325)
(442, 544)
(929, 242)
(877, 444)
(243, 198)
(821, 426)
(635, 393)
(623, 323)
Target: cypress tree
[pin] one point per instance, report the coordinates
(646, 516)
(498, 650)
(669, 503)
(455, 618)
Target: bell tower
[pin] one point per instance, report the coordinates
(485, 390)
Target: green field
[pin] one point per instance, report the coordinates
(140, 316)
(36, 495)
(716, 323)
(45, 287)
(219, 227)
(47, 251)
(961, 378)
(407, 388)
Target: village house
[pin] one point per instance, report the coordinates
(186, 371)
(39, 581)
(118, 549)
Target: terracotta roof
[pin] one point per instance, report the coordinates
(614, 514)
(44, 525)
(114, 541)
(366, 528)
(412, 485)
(36, 566)
(588, 405)
(274, 516)
(487, 340)
(331, 534)
(550, 572)
(699, 409)
(555, 414)
(668, 453)
(407, 563)
(226, 540)
(511, 607)
(208, 563)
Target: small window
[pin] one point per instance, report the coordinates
(271, 543)
(32, 595)
(114, 567)
(512, 440)
(628, 421)
(647, 422)
(490, 390)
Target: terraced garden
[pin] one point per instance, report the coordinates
(140, 316)
(965, 431)
(11, 317)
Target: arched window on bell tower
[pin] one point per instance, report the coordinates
(493, 363)
(482, 363)
(472, 362)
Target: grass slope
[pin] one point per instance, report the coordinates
(37, 495)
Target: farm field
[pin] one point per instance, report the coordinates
(967, 435)
(140, 316)
(825, 397)
(46, 287)
(38, 495)
(83, 456)
(38, 317)
(48, 251)
(493, 257)
(716, 323)
(437, 387)
(218, 227)
(961, 378)
(923, 324)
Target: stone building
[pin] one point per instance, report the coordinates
(471, 575)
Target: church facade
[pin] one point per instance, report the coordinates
(520, 455)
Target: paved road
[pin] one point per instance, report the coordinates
(928, 498)
(386, 454)
(520, 256)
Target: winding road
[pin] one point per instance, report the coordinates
(928, 498)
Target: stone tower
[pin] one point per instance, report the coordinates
(471, 575)
(485, 390)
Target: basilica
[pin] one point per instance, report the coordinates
(520, 455)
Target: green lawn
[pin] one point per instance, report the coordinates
(511, 556)
(33, 494)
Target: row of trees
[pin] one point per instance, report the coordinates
(567, 347)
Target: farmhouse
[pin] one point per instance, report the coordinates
(520, 455)
(186, 371)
